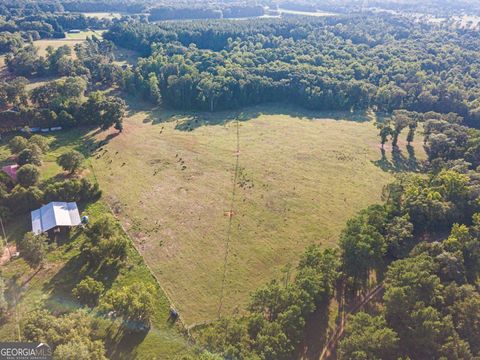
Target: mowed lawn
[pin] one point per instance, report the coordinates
(170, 179)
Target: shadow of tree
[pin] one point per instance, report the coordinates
(72, 272)
(123, 343)
(91, 143)
(191, 120)
(316, 333)
(399, 162)
(15, 288)
(61, 284)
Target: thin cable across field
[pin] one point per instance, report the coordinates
(230, 216)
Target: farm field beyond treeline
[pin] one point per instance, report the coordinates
(169, 178)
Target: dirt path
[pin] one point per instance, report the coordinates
(332, 343)
(8, 252)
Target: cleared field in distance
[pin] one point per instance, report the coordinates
(305, 13)
(170, 177)
(82, 35)
(55, 43)
(103, 15)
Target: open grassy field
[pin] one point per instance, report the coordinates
(204, 222)
(50, 287)
(103, 15)
(305, 13)
(43, 44)
(82, 35)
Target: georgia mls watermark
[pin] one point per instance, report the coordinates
(25, 351)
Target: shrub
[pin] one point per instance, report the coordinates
(134, 303)
(24, 199)
(72, 190)
(17, 144)
(28, 175)
(81, 348)
(106, 242)
(104, 228)
(30, 155)
(40, 141)
(65, 334)
(70, 161)
(33, 248)
(88, 291)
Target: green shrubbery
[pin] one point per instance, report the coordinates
(72, 190)
(70, 161)
(71, 336)
(33, 248)
(28, 175)
(88, 291)
(106, 243)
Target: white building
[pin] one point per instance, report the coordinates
(55, 215)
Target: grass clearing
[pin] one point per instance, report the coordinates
(42, 45)
(125, 56)
(301, 175)
(82, 35)
(103, 15)
(305, 13)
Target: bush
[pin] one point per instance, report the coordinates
(28, 175)
(17, 144)
(30, 155)
(104, 228)
(40, 141)
(24, 199)
(72, 190)
(134, 303)
(70, 161)
(33, 248)
(81, 348)
(88, 291)
(64, 334)
(106, 242)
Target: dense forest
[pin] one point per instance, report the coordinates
(331, 64)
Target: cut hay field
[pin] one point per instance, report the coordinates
(174, 182)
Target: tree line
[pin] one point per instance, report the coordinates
(340, 63)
